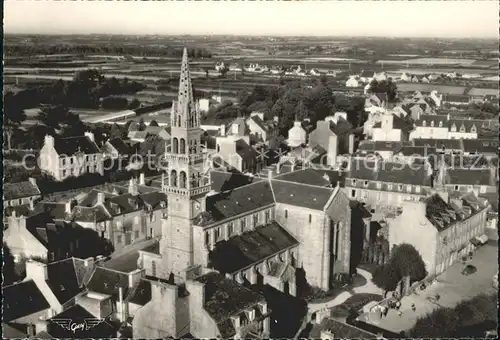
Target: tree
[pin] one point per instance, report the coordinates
(153, 123)
(408, 262)
(134, 104)
(52, 116)
(114, 103)
(116, 132)
(386, 277)
(13, 116)
(385, 86)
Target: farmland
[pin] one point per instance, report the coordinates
(155, 62)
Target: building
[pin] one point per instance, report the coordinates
(391, 128)
(72, 156)
(21, 193)
(297, 135)
(442, 230)
(366, 76)
(235, 152)
(456, 99)
(387, 184)
(477, 180)
(116, 148)
(258, 127)
(352, 82)
(432, 126)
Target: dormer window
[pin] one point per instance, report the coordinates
(462, 128)
(453, 128)
(440, 124)
(353, 181)
(424, 123)
(366, 183)
(432, 123)
(389, 186)
(379, 185)
(400, 187)
(473, 129)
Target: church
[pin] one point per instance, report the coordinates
(247, 230)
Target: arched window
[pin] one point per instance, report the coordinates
(424, 123)
(179, 120)
(432, 123)
(182, 146)
(182, 180)
(175, 145)
(173, 178)
(440, 124)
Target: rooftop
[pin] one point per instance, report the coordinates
(63, 280)
(141, 293)
(22, 299)
(391, 172)
(250, 247)
(108, 281)
(20, 190)
(71, 145)
(302, 195)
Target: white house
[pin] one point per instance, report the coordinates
(390, 129)
(352, 82)
(405, 77)
(71, 156)
(381, 76)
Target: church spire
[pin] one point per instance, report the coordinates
(185, 87)
(184, 111)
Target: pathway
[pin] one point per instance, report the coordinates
(369, 288)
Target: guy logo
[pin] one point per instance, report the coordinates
(78, 326)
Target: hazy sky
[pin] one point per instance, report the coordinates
(333, 18)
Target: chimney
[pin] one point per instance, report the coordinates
(41, 326)
(142, 180)
(68, 206)
(30, 329)
(101, 197)
(132, 187)
(121, 304)
(88, 262)
(36, 270)
(223, 130)
(351, 144)
(134, 277)
(49, 141)
(236, 321)
(90, 135)
(269, 174)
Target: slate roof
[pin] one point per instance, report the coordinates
(238, 201)
(225, 298)
(470, 177)
(367, 74)
(481, 145)
(120, 146)
(305, 176)
(250, 247)
(79, 314)
(83, 273)
(22, 299)
(260, 123)
(339, 329)
(223, 181)
(137, 134)
(141, 293)
(302, 195)
(246, 152)
(492, 198)
(90, 214)
(154, 199)
(107, 281)
(439, 144)
(20, 190)
(417, 150)
(57, 211)
(390, 172)
(21, 210)
(432, 119)
(13, 331)
(91, 198)
(63, 280)
(380, 146)
(456, 98)
(123, 204)
(71, 145)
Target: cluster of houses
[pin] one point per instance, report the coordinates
(223, 219)
(294, 70)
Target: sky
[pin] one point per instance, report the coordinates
(463, 19)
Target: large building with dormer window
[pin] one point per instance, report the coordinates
(71, 156)
(443, 127)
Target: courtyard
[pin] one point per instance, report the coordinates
(452, 288)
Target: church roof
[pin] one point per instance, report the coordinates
(250, 247)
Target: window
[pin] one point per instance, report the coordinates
(64, 161)
(432, 123)
(462, 128)
(286, 213)
(243, 224)
(136, 234)
(87, 158)
(379, 196)
(267, 216)
(389, 186)
(408, 188)
(255, 220)
(424, 123)
(95, 157)
(207, 238)
(353, 193)
(473, 129)
(153, 268)
(483, 189)
(453, 128)
(417, 189)
(379, 185)
(230, 229)
(217, 234)
(20, 201)
(119, 239)
(310, 218)
(64, 173)
(456, 187)
(353, 181)
(440, 124)
(152, 218)
(71, 160)
(366, 183)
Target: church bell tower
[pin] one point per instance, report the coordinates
(188, 178)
